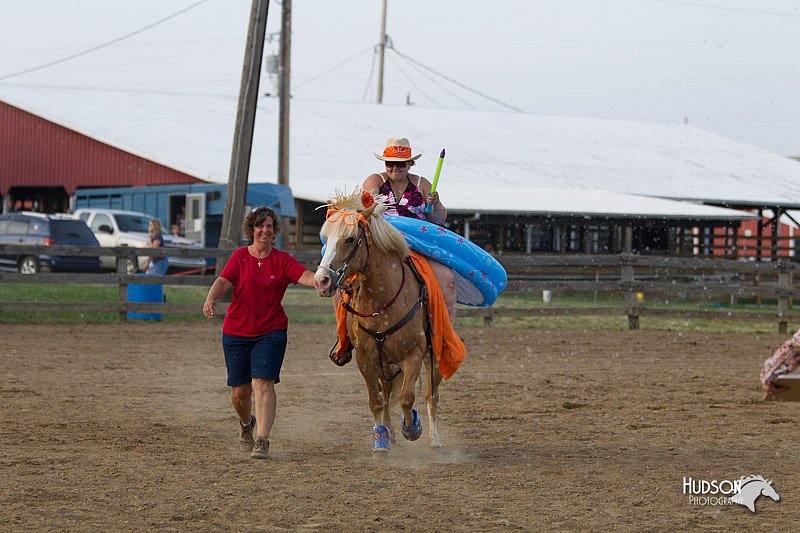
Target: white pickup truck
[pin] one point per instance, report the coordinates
(115, 227)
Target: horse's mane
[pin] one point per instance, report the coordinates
(344, 211)
(748, 479)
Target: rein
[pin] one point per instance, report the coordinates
(385, 306)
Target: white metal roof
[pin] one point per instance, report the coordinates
(496, 161)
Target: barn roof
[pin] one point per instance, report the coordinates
(496, 161)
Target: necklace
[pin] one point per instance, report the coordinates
(258, 259)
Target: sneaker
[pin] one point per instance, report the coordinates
(260, 449)
(246, 435)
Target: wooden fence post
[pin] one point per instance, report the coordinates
(122, 270)
(631, 302)
(783, 298)
(757, 283)
(703, 292)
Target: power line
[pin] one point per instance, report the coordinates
(125, 89)
(369, 78)
(104, 45)
(441, 86)
(143, 60)
(429, 69)
(140, 44)
(332, 68)
(406, 76)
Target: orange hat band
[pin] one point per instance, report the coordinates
(397, 151)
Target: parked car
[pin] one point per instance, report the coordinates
(115, 227)
(46, 230)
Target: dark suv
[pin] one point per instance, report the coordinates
(47, 230)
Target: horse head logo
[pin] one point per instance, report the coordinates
(751, 488)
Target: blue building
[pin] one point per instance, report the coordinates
(196, 208)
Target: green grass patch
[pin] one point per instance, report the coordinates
(51, 292)
(45, 292)
(620, 323)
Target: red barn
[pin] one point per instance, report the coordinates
(770, 237)
(42, 164)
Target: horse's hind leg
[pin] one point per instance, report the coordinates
(434, 378)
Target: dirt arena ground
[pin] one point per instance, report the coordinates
(129, 427)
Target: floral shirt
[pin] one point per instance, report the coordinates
(412, 203)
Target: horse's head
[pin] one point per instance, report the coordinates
(346, 233)
(751, 488)
(768, 491)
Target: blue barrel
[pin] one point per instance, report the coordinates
(145, 294)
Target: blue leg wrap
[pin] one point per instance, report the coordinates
(415, 430)
(381, 441)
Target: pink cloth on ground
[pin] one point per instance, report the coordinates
(783, 361)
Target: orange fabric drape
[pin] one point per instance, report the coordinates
(341, 325)
(448, 349)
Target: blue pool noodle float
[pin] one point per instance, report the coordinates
(479, 277)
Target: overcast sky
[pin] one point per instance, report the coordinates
(728, 66)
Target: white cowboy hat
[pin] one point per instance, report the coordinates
(397, 150)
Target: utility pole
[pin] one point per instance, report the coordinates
(243, 132)
(285, 95)
(284, 92)
(381, 52)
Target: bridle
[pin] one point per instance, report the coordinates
(338, 274)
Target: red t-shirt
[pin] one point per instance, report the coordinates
(256, 307)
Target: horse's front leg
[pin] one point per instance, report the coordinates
(412, 428)
(386, 420)
(377, 403)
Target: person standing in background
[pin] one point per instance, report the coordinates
(155, 265)
(182, 221)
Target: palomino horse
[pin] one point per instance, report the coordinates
(366, 259)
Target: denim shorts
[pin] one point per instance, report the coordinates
(158, 268)
(254, 357)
